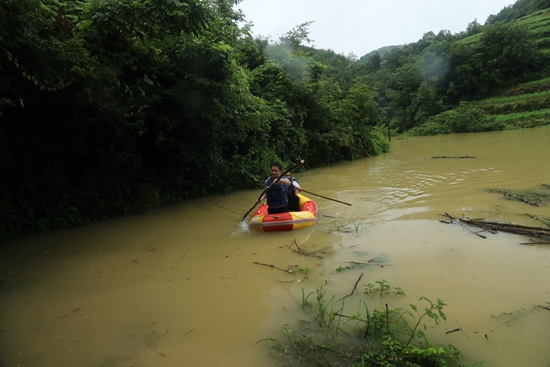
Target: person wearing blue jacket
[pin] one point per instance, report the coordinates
(277, 195)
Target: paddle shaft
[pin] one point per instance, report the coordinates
(278, 178)
(324, 197)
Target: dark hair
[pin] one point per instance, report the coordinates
(277, 164)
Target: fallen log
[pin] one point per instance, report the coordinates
(459, 157)
(542, 234)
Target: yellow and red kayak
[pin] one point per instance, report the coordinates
(289, 221)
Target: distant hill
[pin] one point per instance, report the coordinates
(381, 51)
(518, 10)
(507, 14)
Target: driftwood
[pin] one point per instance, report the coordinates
(459, 157)
(354, 288)
(543, 220)
(308, 253)
(541, 234)
(373, 261)
(532, 203)
(530, 197)
(274, 267)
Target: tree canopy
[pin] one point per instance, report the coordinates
(112, 107)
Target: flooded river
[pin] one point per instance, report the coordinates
(184, 285)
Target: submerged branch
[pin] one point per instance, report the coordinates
(307, 253)
(373, 261)
(354, 288)
(542, 234)
(459, 157)
(543, 220)
(274, 267)
(530, 197)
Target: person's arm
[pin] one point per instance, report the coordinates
(297, 186)
(285, 181)
(262, 198)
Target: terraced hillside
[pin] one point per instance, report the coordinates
(527, 104)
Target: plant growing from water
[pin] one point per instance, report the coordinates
(356, 228)
(383, 288)
(352, 266)
(435, 312)
(368, 338)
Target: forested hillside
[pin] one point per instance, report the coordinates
(112, 107)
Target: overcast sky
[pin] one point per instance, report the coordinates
(361, 26)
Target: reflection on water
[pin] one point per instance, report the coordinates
(180, 287)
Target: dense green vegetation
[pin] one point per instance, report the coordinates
(112, 107)
(390, 337)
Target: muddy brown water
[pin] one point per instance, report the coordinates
(179, 287)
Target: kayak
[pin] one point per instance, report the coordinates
(289, 221)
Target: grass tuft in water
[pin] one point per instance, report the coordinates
(531, 197)
(368, 338)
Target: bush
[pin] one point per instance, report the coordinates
(463, 119)
(368, 338)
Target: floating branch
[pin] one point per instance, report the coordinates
(522, 200)
(530, 197)
(543, 234)
(543, 220)
(455, 330)
(373, 261)
(456, 221)
(535, 243)
(459, 157)
(274, 267)
(307, 253)
(354, 288)
(298, 247)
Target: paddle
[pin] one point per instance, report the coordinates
(324, 197)
(278, 178)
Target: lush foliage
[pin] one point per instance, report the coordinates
(463, 119)
(112, 107)
(369, 338)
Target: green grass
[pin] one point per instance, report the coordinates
(386, 337)
(514, 98)
(511, 118)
